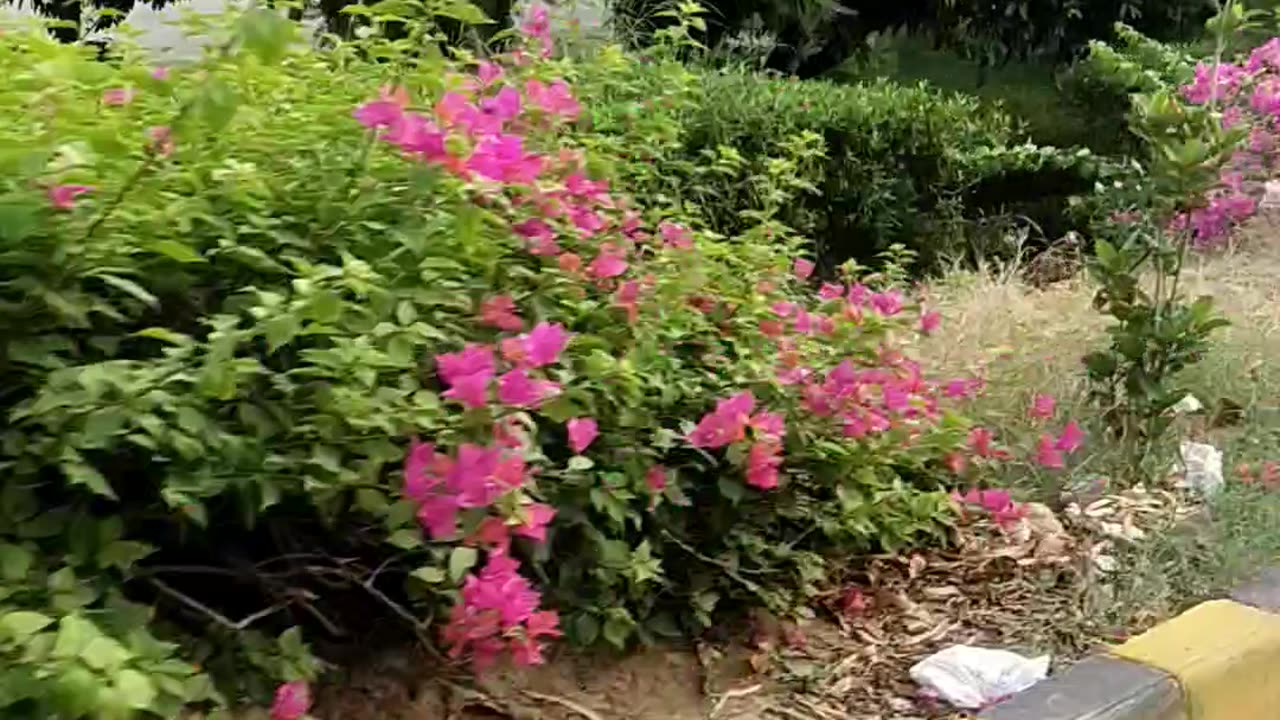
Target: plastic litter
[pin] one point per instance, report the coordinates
(1203, 468)
(973, 677)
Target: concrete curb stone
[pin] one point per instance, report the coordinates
(1220, 660)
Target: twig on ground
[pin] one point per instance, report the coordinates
(728, 695)
(209, 612)
(562, 702)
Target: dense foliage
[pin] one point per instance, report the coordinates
(302, 340)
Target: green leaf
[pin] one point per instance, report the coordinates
(74, 635)
(580, 463)
(18, 220)
(164, 335)
(129, 287)
(585, 628)
(429, 575)
(461, 560)
(217, 103)
(463, 12)
(80, 473)
(136, 689)
(15, 562)
(280, 330)
(106, 654)
(618, 627)
(265, 33)
(123, 554)
(406, 539)
(23, 624)
(175, 250)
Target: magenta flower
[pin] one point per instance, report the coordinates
(63, 197)
(1071, 439)
(418, 465)
(675, 235)
(415, 135)
(543, 344)
(117, 96)
(783, 309)
(378, 113)
(554, 100)
(438, 515)
(930, 322)
(763, 461)
(802, 269)
(726, 424)
(582, 432)
(468, 374)
(502, 158)
(292, 701)
(980, 441)
(505, 106)
(768, 424)
(533, 524)
(517, 389)
(830, 291)
(656, 478)
(499, 311)
(887, 304)
(611, 262)
(160, 72)
(1048, 455)
(1042, 406)
(488, 73)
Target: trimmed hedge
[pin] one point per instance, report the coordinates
(905, 165)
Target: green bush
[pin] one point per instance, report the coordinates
(904, 165)
(230, 311)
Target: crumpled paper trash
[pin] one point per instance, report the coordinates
(973, 677)
(1202, 468)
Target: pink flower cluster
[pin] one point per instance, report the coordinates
(499, 613)
(998, 504)
(1248, 94)
(728, 424)
(470, 373)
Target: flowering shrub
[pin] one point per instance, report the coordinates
(360, 338)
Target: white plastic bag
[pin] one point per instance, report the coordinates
(973, 677)
(1203, 466)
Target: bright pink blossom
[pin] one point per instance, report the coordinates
(468, 373)
(887, 304)
(292, 701)
(544, 343)
(675, 235)
(726, 424)
(1042, 406)
(534, 520)
(502, 158)
(517, 389)
(802, 269)
(611, 262)
(763, 461)
(498, 611)
(504, 106)
(582, 432)
(1047, 453)
(378, 113)
(930, 322)
(980, 442)
(554, 100)
(160, 72)
(1071, 439)
(656, 478)
(499, 311)
(117, 96)
(63, 197)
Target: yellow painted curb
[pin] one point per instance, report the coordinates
(1225, 655)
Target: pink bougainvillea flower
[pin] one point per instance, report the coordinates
(117, 96)
(582, 432)
(771, 328)
(802, 269)
(656, 478)
(505, 105)
(675, 235)
(544, 343)
(887, 304)
(1042, 406)
(587, 221)
(160, 72)
(517, 389)
(534, 521)
(502, 158)
(726, 424)
(63, 197)
(980, 442)
(763, 461)
(292, 701)
(492, 532)
(628, 298)
(555, 100)
(930, 322)
(1071, 439)
(768, 424)
(378, 113)
(422, 468)
(955, 462)
(830, 291)
(783, 309)
(537, 29)
(488, 72)
(1047, 453)
(416, 135)
(611, 262)
(540, 234)
(468, 374)
(499, 311)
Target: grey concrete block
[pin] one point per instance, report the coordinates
(1097, 688)
(1262, 593)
